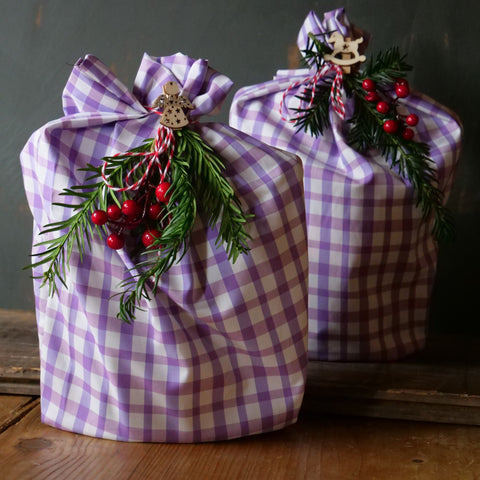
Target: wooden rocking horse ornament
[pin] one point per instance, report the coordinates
(347, 49)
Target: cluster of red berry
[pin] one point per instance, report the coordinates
(135, 213)
(391, 125)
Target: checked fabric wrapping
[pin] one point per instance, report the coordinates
(372, 259)
(220, 351)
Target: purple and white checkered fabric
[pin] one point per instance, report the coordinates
(220, 351)
(372, 258)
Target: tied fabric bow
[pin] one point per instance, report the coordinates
(311, 82)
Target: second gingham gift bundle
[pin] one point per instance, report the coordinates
(379, 161)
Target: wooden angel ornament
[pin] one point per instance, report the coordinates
(173, 106)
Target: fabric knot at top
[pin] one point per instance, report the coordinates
(93, 88)
(202, 85)
(333, 21)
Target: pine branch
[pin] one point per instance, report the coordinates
(386, 67)
(215, 194)
(59, 250)
(409, 158)
(315, 50)
(314, 119)
(198, 179)
(181, 209)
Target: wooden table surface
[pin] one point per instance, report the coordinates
(442, 385)
(317, 447)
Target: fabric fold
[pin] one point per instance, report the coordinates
(205, 87)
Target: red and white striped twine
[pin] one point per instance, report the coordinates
(312, 82)
(164, 142)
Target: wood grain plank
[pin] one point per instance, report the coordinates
(442, 383)
(32, 450)
(334, 448)
(19, 358)
(13, 408)
(394, 409)
(415, 389)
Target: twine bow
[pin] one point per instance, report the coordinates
(311, 82)
(164, 142)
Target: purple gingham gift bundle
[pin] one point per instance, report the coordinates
(220, 351)
(372, 258)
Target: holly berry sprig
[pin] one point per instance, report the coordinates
(196, 180)
(381, 122)
(153, 222)
(378, 123)
(142, 213)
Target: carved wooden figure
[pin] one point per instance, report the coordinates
(347, 49)
(174, 106)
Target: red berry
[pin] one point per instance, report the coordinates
(155, 211)
(131, 224)
(408, 134)
(390, 126)
(401, 81)
(412, 119)
(383, 107)
(372, 97)
(149, 237)
(114, 212)
(402, 91)
(161, 192)
(115, 241)
(99, 217)
(131, 208)
(368, 85)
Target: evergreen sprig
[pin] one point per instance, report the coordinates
(315, 50)
(196, 181)
(214, 193)
(316, 118)
(409, 158)
(386, 67)
(78, 229)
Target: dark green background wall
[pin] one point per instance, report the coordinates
(248, 40)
